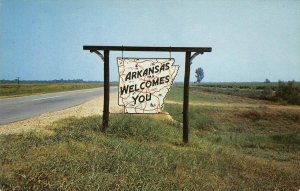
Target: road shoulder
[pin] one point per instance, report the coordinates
(38, 123)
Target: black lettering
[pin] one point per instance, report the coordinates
(151, 70)
(167, 78)
(136, 88)
(135, 98)
(128, 76)
(133, 75)
(131, 88)
(148, 97)
(155, 82)
(141, 100)
(156, 68)
(124, 90)
(148, 84)
(162, 68)
(142, 84)
(167, 66)
(161, 80)
(145, 72)
(139, 74)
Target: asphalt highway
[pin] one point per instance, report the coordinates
(20, 108)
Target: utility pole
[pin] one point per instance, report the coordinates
(18, 80)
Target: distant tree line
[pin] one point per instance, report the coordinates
(55, 81)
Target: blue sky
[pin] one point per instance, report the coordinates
(251, 40)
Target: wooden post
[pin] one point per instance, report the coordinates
(186, 97)
(106, 91)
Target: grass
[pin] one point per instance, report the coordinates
(285, 92)
(229, 149)
(259, 131)
(28, 89)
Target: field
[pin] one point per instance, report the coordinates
(284, 92)
(29, 89)
(236, 143)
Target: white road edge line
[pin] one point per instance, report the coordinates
(45, 98)
(60, 96)
(70, 91)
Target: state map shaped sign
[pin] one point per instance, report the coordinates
(144, 83)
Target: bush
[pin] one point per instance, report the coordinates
(267, 93)
(289, 92)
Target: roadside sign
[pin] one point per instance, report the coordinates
(144, 83)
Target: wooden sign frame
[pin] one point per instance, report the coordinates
(188, 62)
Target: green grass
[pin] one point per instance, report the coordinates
(131, 157)
(260, 131)
(242, 85)
(286, 92)
(28, 89)
(229, 149)
(197, 93)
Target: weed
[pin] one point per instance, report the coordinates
(287, 138)
(28, 89)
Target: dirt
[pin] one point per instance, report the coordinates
(38, 123)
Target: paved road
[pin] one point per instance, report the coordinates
(15, 109)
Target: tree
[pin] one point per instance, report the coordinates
(199, 74)
(267, 81)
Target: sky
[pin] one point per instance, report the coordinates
(250, 40)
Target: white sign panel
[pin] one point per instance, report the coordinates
(144, 83)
